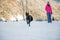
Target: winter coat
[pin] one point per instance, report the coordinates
(29, 17)
(48, 9)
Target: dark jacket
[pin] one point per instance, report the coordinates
(29, 17)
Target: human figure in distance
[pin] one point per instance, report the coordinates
(29, 18)
(48, 10)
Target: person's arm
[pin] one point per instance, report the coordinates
(51, 9)
(45, 8)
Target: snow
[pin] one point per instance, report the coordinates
(19, 17)
(37, 31)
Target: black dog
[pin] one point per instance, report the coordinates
(53, 19)
(29, 18)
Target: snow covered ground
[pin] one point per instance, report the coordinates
(37, 31)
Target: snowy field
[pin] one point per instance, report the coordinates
(37, 31)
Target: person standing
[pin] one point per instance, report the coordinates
(48, 10)
(29, 18)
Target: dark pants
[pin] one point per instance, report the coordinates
(28, 21)
(49, 17)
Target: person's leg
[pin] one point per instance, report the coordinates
(49, 17)
(50, 20)
(27, 21)
(29, 24)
